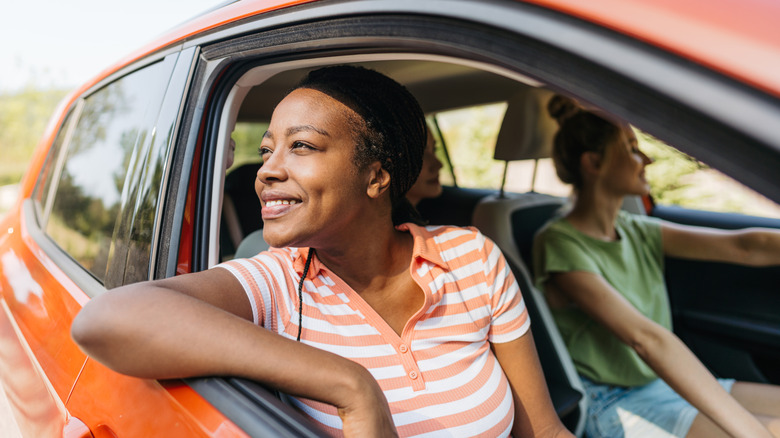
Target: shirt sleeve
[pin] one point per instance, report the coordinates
(509, 316)
(558, 251)
(649, 229)
(253, 276)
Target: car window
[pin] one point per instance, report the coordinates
(106, 155)
(679, 179)
(470, 137)
(44, 181)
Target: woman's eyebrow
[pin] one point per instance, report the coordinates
(301, 128)
(296, 129)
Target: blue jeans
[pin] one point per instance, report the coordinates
(653, 410)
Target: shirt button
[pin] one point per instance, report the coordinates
(403, 348)
(413, 375)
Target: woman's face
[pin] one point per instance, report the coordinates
(427, 184)
(309, 187)
(624, 166)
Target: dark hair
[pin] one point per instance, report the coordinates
(393, 131)
(579, 131)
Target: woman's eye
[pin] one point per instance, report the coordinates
(262, 150)
(300, 145)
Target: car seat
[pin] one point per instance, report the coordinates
(511, 221)
(241, 209)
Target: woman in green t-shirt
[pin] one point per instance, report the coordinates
(602, 273)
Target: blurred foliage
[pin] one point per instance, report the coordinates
(247, 137)
(470, 136)
(23, 117)
(667, 174)
(679, 179)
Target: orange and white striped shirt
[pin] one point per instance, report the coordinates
(440, 374)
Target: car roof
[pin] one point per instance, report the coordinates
(738, 38)
(735, 38)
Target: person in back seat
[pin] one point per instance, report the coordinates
(602, 273)
(427, 184)
(403, 329)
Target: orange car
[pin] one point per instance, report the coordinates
(129, 180)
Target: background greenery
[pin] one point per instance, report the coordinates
(23, 117)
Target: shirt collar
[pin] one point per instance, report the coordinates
(298, 256)
(425, 247)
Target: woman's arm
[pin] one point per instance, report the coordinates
(660, 349)
(197, 324)
(751, 246)
(534, 412)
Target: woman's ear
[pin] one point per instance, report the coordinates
(590, 162)
(378, 180)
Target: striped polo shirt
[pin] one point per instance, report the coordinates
(440, 374)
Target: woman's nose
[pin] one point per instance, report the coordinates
(273, 169)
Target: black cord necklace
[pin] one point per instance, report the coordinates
(300, 292)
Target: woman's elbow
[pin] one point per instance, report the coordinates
(96, 327)
(90, 326)
(648, 340)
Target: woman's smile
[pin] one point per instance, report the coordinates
(278, 208)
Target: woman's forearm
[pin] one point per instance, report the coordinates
(680, 369)
(154, 332)
(762, 247)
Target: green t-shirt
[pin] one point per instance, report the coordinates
(633, 265)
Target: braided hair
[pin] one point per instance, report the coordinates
(579, 131)
(392, 130)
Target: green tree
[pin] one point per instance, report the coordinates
(23, 118)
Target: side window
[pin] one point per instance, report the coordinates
(105, 160)
(43, 184)
(679, 179)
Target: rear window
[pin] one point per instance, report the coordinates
(105, 157)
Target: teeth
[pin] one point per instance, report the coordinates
(281, 202)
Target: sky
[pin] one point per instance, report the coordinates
(64, 43)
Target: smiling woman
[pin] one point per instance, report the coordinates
(375, 299)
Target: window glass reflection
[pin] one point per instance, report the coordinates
(110, 141)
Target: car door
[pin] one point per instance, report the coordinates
(92, 219)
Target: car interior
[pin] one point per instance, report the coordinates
(510, 218)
